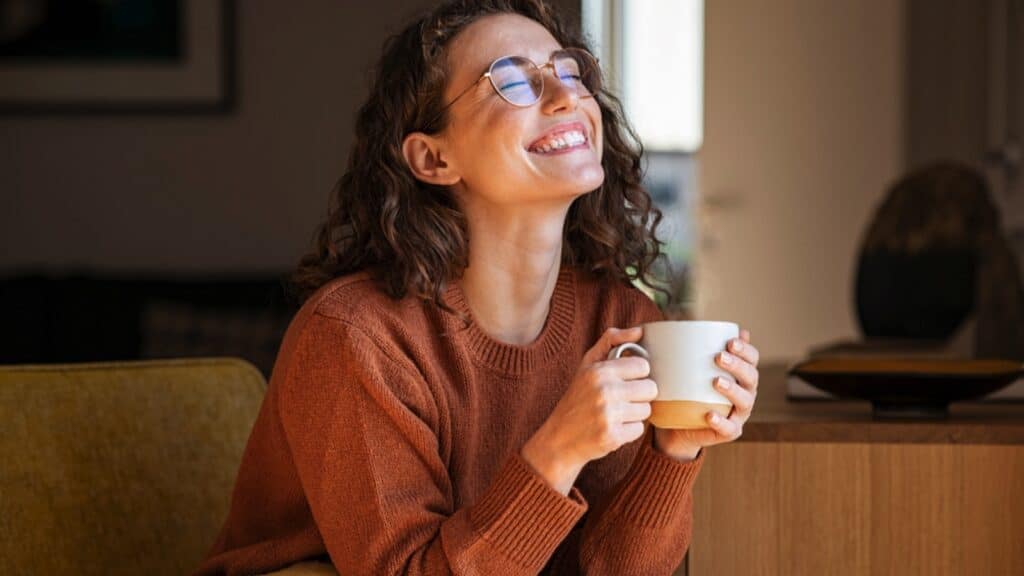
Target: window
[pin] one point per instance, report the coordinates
(652, 53)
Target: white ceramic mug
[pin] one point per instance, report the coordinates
(682, 357)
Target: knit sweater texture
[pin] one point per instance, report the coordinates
(389, 443)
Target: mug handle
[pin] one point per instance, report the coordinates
(618, 350)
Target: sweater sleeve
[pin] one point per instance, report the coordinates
(644, 526)
(362, 430)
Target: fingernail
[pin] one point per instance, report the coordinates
(726, 358)
(723, 383)
(737, 345)
(714, 417)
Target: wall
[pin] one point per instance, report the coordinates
(208, 193)
(964, 94)
(804, 129)
(948, 81)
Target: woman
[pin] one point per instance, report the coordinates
(442, 403)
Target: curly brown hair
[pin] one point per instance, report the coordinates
(411, 235)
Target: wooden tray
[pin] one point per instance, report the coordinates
(908, 387)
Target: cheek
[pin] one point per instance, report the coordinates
(594, 112)
(495, 143)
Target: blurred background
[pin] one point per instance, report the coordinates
(163, 163)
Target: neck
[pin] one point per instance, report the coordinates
(514, 261)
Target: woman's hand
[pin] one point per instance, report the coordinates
(741, 390)
(604, 407)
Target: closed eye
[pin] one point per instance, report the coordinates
(514, 85)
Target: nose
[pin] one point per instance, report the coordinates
(558, 97)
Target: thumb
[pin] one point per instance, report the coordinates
(611, 338)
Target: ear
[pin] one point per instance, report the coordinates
(428, 159)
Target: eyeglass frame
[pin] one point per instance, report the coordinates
(549, 64)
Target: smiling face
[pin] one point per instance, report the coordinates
(506, 154)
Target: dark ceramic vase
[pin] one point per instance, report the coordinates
(924, 296)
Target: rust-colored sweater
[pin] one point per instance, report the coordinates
(390, 439)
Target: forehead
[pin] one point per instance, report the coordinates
(494, 36)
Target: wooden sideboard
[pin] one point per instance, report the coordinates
(819, 487)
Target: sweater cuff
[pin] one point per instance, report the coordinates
(656, 488)
(521, 515)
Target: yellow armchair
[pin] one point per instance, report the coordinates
(120, 468)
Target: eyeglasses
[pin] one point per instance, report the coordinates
(520, 82)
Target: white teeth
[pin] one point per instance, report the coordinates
(563, 140)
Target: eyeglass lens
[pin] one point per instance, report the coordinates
(521, 82)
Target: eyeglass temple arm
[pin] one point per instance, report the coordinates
(456, 99)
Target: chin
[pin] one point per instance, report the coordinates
(570, 191)
(569, 182)
(587, 180)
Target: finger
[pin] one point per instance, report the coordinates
(745, 335)
(625, 368)
(609, 339)
(632, 430)
(745, 350)
(745, 374)
(642, 390)
(742, 399)
(728, 428)
(636, 411)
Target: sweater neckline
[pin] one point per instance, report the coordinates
(516, 359)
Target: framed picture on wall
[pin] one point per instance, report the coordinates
(129, 56)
